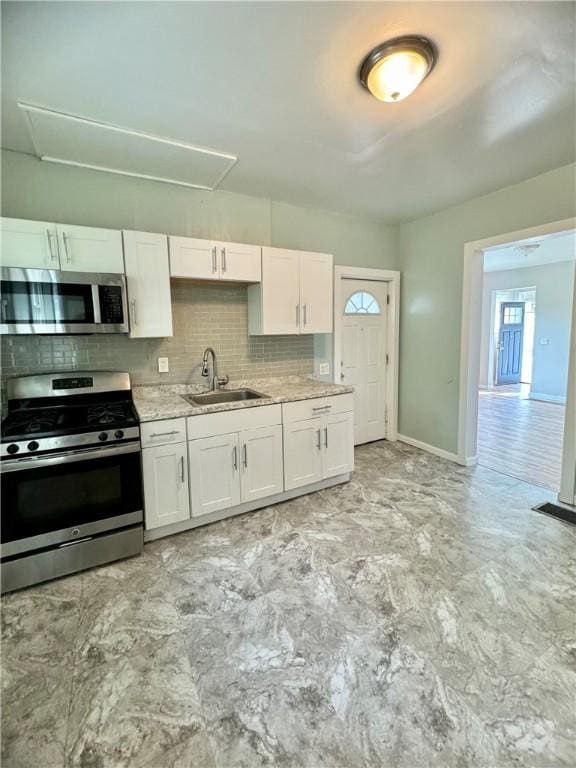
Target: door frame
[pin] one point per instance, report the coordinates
(470, 353)
(392, 278)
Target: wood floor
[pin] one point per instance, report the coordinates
(520, 437)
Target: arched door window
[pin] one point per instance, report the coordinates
(362, 303)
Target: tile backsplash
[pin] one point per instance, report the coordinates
(203, 315)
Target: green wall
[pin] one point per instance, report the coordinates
(431, 260)
(32, 189)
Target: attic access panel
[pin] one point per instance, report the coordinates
(72, 140)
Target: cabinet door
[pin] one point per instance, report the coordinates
(193, 258)
(166, 490)
(87, 249)
(302, 453)
(316, 293)
(337, 444)
(261, 461)
(214, 473)
(148, 282)
(242, 263)
(280, 291)
(29, 244)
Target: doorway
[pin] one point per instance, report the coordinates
(366, 320)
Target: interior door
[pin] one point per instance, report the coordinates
(29, 244)
(316, 293)
(214, 473)
(240, 262)
(364, 348)
(261, 461)
(193, 258)
(510, 342)
(281, 291)
(88, 249)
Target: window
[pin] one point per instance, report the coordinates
(362, 303)
(512, 315)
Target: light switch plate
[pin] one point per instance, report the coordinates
(163, 365)
(324, 369)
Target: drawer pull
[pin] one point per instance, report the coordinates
(322, 408)
(164, 434)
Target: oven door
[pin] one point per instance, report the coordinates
(52, 302)
(62, 497)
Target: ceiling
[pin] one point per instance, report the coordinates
(560, 247)
(276, 84)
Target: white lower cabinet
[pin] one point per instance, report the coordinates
(302, 453)
(261, 462)
(214, 473)
(166, 489)
(338, 444)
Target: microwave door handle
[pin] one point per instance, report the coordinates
(96, 304)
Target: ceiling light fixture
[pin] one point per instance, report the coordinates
(393, 70)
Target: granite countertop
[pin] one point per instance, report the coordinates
(165, 401)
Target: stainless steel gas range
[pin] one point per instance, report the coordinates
(71, 476)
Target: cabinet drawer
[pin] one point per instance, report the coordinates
(319, 406)
(163, 432)
(210, 424)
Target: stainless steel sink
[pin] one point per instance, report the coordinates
(224, 396)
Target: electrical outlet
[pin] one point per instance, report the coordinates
(324, 369)
(163, 365)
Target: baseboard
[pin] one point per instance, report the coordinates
(547, 398)
(430, 448)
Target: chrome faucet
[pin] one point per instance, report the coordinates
(217, 382)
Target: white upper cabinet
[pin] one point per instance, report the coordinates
(148, 283)
(214, 260)
(29, 244)
(295, 295)
(88, 249)
(316, 292)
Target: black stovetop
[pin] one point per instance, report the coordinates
(27, 419)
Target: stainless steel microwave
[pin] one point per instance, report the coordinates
(34, 301)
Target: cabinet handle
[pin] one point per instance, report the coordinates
(164, 434)
(53, 256)
(66, 251)
(245, 454)
(181, 469)
(133, 312)
(325, 437)
(223, 255)
(297, 315)
(305, 313)
(322, 408)
(214, 265)
(318, 444)
(235, 457)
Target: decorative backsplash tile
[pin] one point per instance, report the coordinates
(203, 315)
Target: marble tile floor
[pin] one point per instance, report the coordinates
(421, 616)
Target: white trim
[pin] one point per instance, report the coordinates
(547, 398)
(392, 277)
(432, 449)
(470, 352)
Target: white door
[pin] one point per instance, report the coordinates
(316, 293)
(337, 444)
(88, 249)
(239, 262)
(166, 493)
(302, 453)
(148, 282)
(214, 473)
(364, 348)
(261, 461)
(29, 244)
(280, 291)
(194, 258)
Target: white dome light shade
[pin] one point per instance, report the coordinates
(395, 69)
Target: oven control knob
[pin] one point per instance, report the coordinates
(33, 446)
(13, 448)
(103, 436)
(118, 434)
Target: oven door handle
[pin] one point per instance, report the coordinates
(69, 457)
